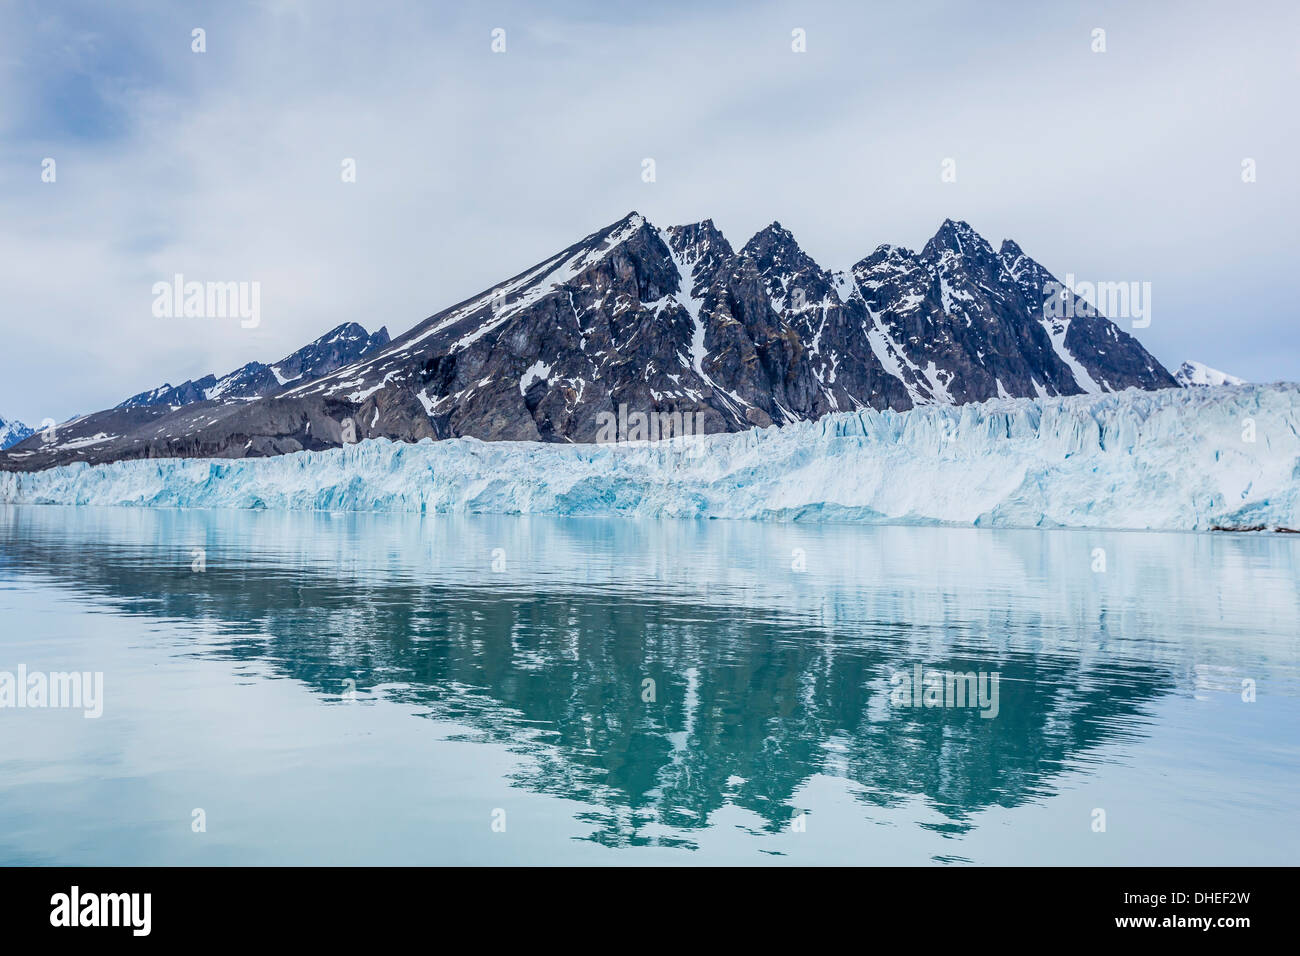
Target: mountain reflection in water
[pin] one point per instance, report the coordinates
(657, 673)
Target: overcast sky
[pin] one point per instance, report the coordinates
(472, 165)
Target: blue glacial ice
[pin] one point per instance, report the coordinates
(1179, 459)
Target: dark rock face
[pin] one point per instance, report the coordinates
(831, 324)
(1109, 356)
(964, 324)
(634, 319)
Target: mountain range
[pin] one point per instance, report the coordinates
(336, 347)
(634, 317)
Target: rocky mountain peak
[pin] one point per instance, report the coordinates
(956, 237)
(699, 252)
(775, 246)
(1010, 250)
(701, 236)
(12, 432)
(1193, 374)
(793, 279)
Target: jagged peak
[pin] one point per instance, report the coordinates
(886, 255)
(706, 225)
(887, 250)
(958, 226)
(956, 235)
(775, 247)
(615, 233)
(629, 223)
(344, 332)
(704, 228)
(772, 234)
(351, 329)
(1197, 374)
(1018, 265)
(696, 239)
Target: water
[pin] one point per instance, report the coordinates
(502, 714)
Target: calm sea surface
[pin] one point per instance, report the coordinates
(340, 689)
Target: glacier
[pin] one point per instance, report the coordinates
(1175, 459)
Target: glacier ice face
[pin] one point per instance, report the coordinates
(1178, 459)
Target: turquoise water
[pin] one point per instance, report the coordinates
(368, 689)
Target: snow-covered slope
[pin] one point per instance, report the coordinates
(12, 432)
(1172, 459)
(1194, 373)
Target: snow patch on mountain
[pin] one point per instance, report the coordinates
(685, 297)
(1194, 373)
(1177, 459)
(539, 371)
(1057, 329)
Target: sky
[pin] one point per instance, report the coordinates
(471, 165)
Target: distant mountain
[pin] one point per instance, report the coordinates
(12, 432)
(655, 321)
(1191, 374)
(337, 347)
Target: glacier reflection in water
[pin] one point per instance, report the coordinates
(384, 688)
